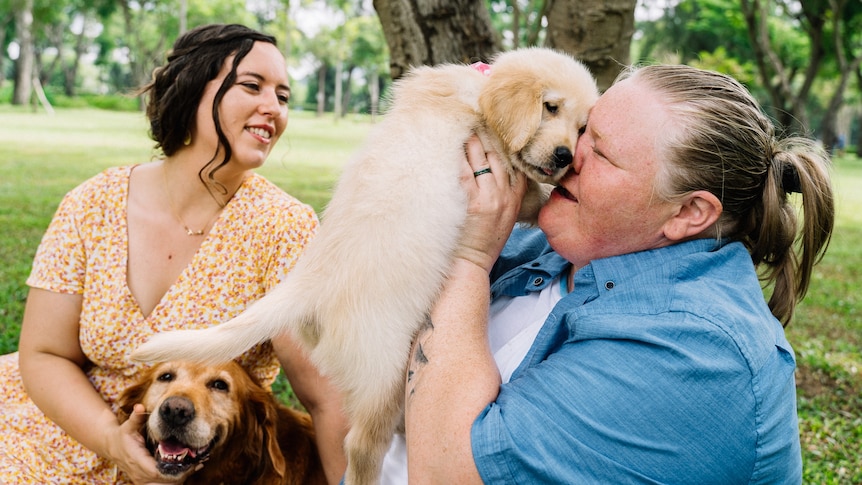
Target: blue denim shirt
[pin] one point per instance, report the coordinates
(664, 366)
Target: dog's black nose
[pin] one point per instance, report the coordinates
(177, 411)
(562, 157)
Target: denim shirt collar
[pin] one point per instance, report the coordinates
(603, 275)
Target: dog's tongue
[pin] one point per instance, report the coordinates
(173, 449)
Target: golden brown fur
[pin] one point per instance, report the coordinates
(220, 414)
(365, 283)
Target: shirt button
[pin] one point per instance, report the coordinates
(609, 285)
(538, 281)
(535, 264)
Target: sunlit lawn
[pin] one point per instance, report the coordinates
(42, 157)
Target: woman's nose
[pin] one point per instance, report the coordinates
(270, 104)
(580, 154)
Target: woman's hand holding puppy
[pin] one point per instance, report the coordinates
(494, 200)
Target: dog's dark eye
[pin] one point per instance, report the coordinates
(552, 108)
(582, 130)
(166, 377)
(219, 385)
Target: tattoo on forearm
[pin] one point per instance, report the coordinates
(418, 357)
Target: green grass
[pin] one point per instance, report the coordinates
(42, 157)
(827, 336)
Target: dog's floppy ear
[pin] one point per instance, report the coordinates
(511, 104)
(261, 436)
(131, 396)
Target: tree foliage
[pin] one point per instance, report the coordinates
(801, 57)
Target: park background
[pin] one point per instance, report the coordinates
(67, 69)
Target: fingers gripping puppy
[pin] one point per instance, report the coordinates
(365, 283)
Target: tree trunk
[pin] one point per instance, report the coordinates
(337, 109)
(789, 95)
(859, 115)
(184, 13)
(347, 90)
(848, 64)
(321, 89)
(24, 64)
(70, 72)
(430, 32)
(3, 26)
(143, 55)
(597, 32)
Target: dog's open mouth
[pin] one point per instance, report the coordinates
(174, 457)
(547, 171)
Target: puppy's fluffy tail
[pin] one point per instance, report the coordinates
(210, 346)
(215, 344)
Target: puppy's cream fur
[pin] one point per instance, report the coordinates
(366, 282)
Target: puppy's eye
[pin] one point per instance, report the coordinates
(582, 130)
(219, 385)
(552, 108)
(166, 377)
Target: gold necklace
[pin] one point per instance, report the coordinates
(176, 214)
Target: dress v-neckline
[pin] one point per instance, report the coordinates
(182, 276)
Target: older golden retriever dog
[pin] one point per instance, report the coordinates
(365, 283)
(219, 414)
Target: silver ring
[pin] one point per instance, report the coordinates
(482, 171)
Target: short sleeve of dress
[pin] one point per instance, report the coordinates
(290, 243)
(59, 264)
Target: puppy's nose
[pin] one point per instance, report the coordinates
(177, 411)
(562, 157)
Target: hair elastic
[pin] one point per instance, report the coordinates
(790, 179)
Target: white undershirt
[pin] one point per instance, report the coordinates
(513, 323)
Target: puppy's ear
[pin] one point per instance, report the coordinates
(511, 104)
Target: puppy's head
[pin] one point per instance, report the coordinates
(198, 413)
(536, 101)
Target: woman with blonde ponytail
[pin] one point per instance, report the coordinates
(627, 339)
(755, 177)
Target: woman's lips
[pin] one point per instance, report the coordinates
(562, 192)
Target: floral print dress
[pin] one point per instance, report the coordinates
(252, 245)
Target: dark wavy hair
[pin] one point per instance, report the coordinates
(177, 87)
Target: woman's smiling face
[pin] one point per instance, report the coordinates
(253, 111)
(605, 205)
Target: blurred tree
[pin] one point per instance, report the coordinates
(799, 57)
(365, 53)
(598, 32)
(520, 22)
(429, 32)
(787, 79)
(324, 47)
(846, 27)
(25, 62)
(7, 29)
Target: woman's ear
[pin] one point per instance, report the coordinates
(696, 214)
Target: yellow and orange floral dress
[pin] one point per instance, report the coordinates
(253, 244)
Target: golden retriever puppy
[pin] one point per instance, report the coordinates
(220, 415)
(364, 285)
